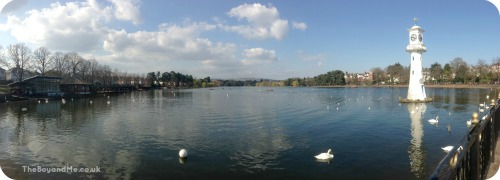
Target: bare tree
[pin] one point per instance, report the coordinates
(20, 56)
(60, 66)
(93, 70)
(460, 68)
(481, 70)
(495, 65)
(84, 69)
(42, 59)
(74, 61)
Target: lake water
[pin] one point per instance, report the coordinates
(235, 133)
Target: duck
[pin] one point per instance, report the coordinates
(447, 149)
(323, 156)
(434, 121)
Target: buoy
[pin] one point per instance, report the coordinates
(183, 153)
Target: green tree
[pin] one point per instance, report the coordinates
(447, 74)
(395, 72)
(460, 68)
(436, 72)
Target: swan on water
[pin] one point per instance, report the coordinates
(183, 153)
(434, 121)
(24, 109)
(109, 102)
(323, 156)
(447, 149)
(469, 122)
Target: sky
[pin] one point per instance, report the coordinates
(232, 39)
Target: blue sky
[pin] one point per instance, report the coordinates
(253, 39)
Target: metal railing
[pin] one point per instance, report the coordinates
(471, 156)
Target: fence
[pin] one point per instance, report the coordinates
(471, 156)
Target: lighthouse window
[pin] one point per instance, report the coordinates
(412, 72)
(413, 58)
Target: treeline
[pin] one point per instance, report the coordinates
(331, 78)
(24, 63)
(456, 71)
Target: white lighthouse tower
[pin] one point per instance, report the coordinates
(416, 90)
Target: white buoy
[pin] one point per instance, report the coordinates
(183, 153)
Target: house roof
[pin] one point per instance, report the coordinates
(32, 78)
(73, 80)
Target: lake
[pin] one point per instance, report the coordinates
(238, 132)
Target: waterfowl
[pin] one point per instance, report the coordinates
(434, 121)
(323, 156)
(447, 148)
(183, 153)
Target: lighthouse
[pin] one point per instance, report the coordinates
(416, 47)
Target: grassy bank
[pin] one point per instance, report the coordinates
(4, 89)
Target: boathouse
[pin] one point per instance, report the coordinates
(37, 87)
(74, 87)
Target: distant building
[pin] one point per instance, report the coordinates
(3, 74)
(75, 87)
(495, 67)
(38, 87)
(14, 74)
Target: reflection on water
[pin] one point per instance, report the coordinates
(416, 151)
(238, 132)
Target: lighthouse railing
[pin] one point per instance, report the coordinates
(471, 156)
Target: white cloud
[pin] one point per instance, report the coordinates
(263, 22)
(127, 10)
(74, 26)
(299, 25)
(258, 56)
(86, 27)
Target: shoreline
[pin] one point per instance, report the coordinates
(451, 86)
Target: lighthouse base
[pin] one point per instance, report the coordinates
(415, 100)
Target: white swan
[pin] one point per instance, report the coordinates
(469, 122)
(323, 156)
(24, 109)
(447, 148)
(183, 153)
(434, 121)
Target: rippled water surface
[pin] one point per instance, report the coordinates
(237, 132)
